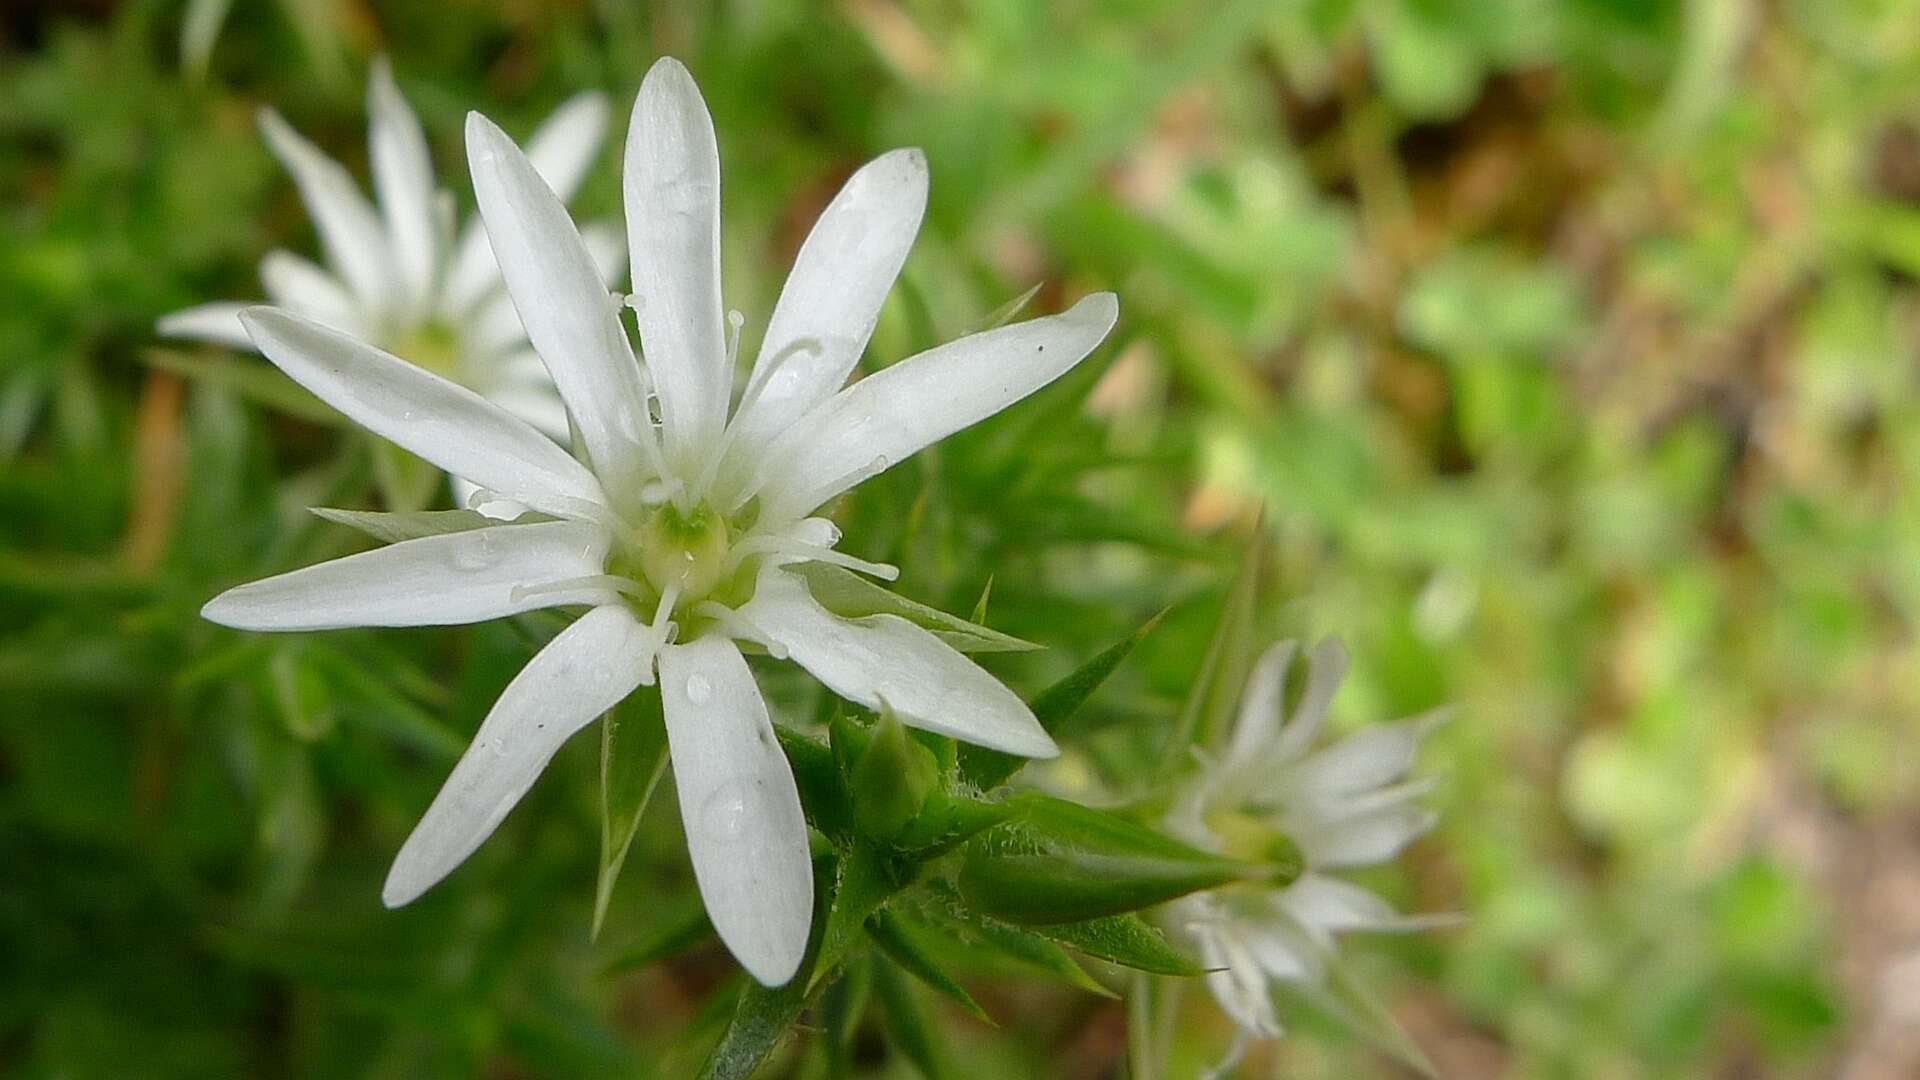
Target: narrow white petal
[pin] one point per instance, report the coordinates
(581, 674)
(563, 147)
(1327, 905)
(745, 831)
(672, 187)
(446, 424)
(494, 326)
(1261, 705)
(1326, 666)
(443, 580)
(216, 324)
(885, 417)
(1360, 762)
(304, 288)
(884, 660)
(832, 297)
(350, 230)
(1237, 982)
(403, 180)
(561, 151)
(1364, 839)
(569, 316)
(538, 406)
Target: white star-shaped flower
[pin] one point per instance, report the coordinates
(1341, 806)
(397, 276)
(679, 522)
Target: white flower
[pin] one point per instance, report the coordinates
(677, 530)
(396, 276)
(1342, 806)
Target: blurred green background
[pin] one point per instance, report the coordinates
(1569, 347)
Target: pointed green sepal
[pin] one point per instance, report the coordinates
(1054, 861)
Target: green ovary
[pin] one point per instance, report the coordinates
(684, 548)
(1246, 836)
(433, 347)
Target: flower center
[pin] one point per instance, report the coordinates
(1246, 836)
(679, 548)
(432, 346)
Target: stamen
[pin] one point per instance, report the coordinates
(802, 551)
(661, 632)
(735, 321)
(521, 593)
(739, 626)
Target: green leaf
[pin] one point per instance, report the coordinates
(251, 378)
(1217, 685)
(842, 1005)
(633, 758)
(1055, 861)
(851, 596)
(907, 1021)
(391, 528)
(1015, 944)
(1126, 940)
(990, 768)
(679, 927)
(914, 957)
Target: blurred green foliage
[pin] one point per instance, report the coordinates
(1568, 347)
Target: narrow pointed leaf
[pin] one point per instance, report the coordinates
(916, 958)
(907, 1021)
(1056, 704)
(683, 925)
(1126, 940)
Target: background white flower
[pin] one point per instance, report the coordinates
(1342, 806)
(396, 275)
(677, 529)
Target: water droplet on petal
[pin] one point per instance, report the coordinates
(473, 551)
(724, 813)
(698, 689)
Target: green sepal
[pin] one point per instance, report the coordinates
(633, 758)
(1054, 861)
(851, 596)
(823, 790)
(406, 482)
(392, 528)
(906, 949)
(985, 768)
